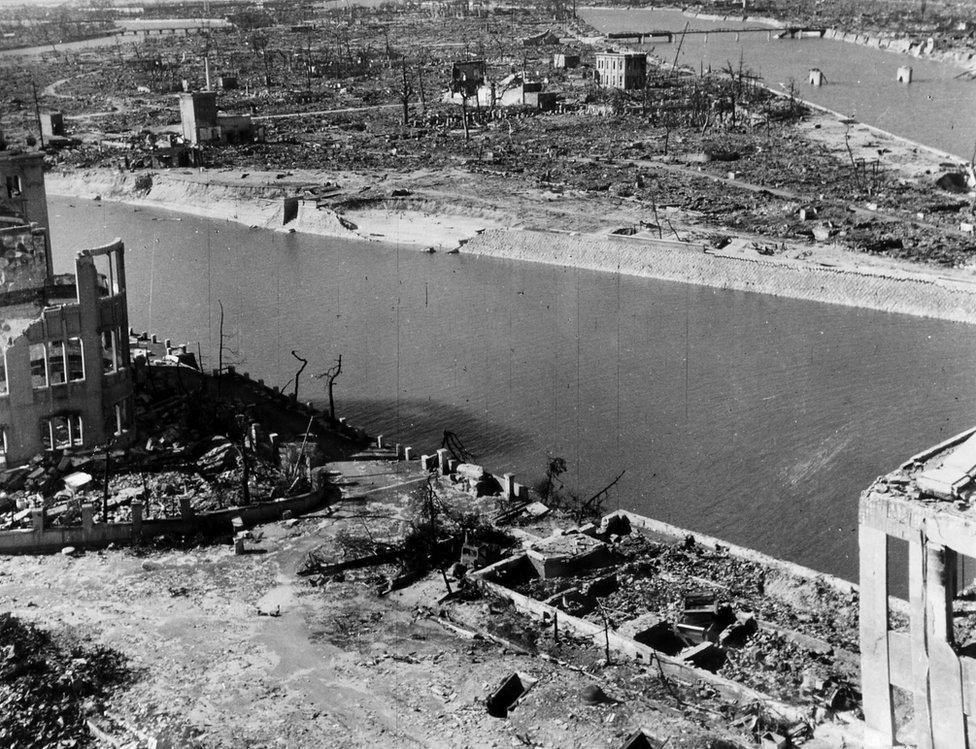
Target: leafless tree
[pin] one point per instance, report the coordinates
(331, 375)
(300, 370)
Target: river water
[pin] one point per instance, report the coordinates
(937, 109)
(751, 417)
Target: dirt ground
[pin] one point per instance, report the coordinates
(237, 650)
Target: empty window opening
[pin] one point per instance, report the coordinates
(115, 419)
(62, 432)
(14, 186)
(107, 270)
(38, 364)
(110, 345)
(74, 359)
(55, 363)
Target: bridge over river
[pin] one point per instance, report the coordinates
(665, 35)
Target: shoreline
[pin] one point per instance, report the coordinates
(902, 46)
(830, 276)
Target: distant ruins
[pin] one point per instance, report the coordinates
(64, 379)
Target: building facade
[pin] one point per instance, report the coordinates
(23, 199)
(201, 122)
(65, 382)
(623, 70)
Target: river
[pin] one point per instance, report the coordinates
(937, 109)
(755, 418)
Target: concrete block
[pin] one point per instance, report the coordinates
(87, 517)
(408, 453)
(136, 510)
(427, 462)
(904, 74)
(442, 461)
(508, 485)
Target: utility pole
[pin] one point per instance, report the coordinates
(37, 114)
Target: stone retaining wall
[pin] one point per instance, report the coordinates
(690, 263)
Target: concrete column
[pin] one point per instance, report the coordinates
(442, 461)
(186, 509)
(136, 509)
(379, 441)
(427, 462)
(408, 453)
(399, 450)
(87, 518)
(37, 520)
(508, 486)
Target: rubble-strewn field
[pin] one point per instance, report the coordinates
(233, 650)
(362, 91)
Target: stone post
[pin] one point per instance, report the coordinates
(136, 509)
(87, 518)
(508, 486)
(442, 461)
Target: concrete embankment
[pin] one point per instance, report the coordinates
(925, 296)
(261, 204)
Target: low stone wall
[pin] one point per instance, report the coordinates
(42, 539)
(690, 263)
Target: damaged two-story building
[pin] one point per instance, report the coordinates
(64, 377)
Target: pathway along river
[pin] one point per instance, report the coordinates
(937, 109)
(755, 418)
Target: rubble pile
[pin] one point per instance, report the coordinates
(178, 461)
(780, 635)
(50, 687)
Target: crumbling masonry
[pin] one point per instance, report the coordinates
(64, 379)
(925, 503)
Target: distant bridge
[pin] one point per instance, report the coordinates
(172, 26)
(649, 37)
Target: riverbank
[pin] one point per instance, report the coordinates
(959, 57)
(358, 209)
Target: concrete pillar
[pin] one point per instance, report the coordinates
(904, 74)
(442, 461)
(508, 486)
(427, 462)
(186, 509)
(136, 509)
(87, 518)
(37, 520)
(379, 441)
(399, 450)
(408, 453)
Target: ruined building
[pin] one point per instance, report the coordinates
(64, 379)
(201, 122)
(924, 647)
(623, 70)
